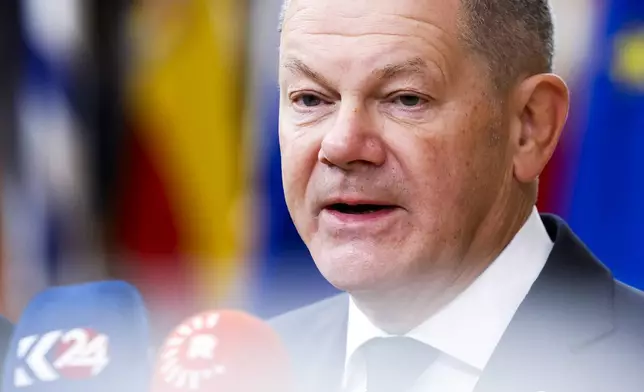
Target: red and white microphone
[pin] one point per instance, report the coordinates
(222, 351)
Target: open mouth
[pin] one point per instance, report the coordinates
(358, 209)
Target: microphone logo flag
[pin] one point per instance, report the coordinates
(76, 354)
(188, 358)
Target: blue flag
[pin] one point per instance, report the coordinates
(607, 209)
(46, 207)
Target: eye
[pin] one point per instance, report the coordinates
(409, 100)
(307, 100)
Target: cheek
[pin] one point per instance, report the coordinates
(445, 173)
(298, 157)
(438, 173)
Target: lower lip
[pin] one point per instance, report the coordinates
(360, 218)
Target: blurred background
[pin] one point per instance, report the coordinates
(139, 142)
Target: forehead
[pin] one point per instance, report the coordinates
(346, 32)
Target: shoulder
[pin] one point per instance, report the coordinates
(626, 337)
(629, 308)
(308, 316)
(302, 325)
(619, 353)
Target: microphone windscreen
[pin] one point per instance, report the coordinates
(80, 338)
(223, 351)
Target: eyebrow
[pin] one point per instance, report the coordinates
(297, 66)
(390, 71)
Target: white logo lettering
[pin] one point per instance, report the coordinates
(193, 342)
(202, 347)
(79, 351)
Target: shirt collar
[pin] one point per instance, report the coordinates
(470, 327)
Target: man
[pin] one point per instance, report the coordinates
(413, 133)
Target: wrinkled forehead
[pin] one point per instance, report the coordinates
(354, 16)
(355, 34)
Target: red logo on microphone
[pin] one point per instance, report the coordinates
(189, 357)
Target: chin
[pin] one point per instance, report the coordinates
(353, 283)
(356, 271)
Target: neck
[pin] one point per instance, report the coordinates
(400, 310)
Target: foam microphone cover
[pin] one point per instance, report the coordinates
(80, 338)
(223, 351)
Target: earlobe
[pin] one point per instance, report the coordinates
(542, 103)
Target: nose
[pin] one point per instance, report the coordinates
(353, 141)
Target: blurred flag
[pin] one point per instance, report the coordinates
(180, 218)
(50, 237)
(607, 209)
(10, 42)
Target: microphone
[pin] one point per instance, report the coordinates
(87, 337)
(6, 330)
(222, 351)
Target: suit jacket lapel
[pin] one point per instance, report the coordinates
(568, 306)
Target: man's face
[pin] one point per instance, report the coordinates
(393, 150)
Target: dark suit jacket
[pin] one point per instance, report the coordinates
(578, 330)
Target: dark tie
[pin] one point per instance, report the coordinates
(395, 363)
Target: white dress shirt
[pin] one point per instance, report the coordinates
(467, 330)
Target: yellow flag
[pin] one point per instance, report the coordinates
(187, 95)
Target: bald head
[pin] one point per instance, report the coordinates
(514, 37)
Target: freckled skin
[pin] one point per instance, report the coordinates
(446, 160)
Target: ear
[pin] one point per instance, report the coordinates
(541, 108)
